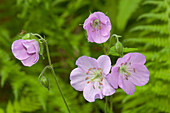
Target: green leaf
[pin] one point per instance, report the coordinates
(10, 108)
(113, 52)
(126, 50)
(1, 110)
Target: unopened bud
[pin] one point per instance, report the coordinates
(45, 82)
(119, 47)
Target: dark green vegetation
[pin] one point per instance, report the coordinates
(143, 24)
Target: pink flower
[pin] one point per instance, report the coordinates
(26, 50)
(90, 75)
(98, 27)
(128, 72)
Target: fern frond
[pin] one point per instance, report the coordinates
(162, 29)
(157, 16)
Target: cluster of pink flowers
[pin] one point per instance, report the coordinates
(93, 77)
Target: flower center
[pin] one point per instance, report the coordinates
(123, 71)
(96, 24)
(95, 75)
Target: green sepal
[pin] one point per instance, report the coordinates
(41, 49)
(30, 36)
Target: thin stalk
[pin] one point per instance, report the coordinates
(53, 72)
(104, 49)
(111, 104)
(106, 101)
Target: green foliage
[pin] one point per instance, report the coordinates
(152, 37)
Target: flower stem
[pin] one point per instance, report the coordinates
(106, 101)
(111, 104)
(52, 69)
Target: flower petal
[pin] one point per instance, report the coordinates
(86, 63)
(113, 77)
(97, 37)
(105, 29)
(18, 50)
(105, 63)
(90, 39)
(28, 44)
(107, 88)
(77, 78)
(136, 58)
(139, 75)
(102, 17)
(92, 92)
(31, 60)
(126, 85)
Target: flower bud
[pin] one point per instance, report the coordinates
(45, 82)
(119, 47)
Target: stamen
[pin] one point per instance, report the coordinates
(98, 68)
(101, 73)
(125, 63)
(119, 69)
(100, 27)
(88, 82)
(100, 83)
(87, 73)
(86, 78)
(130, 63)
(90, 69)
(101, 79)
(94, 68)
(121, 64)
(134, 70)
(93, 86)
(126, 77)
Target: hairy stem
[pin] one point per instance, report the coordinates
(52, 69)
(106, 101)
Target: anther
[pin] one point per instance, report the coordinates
(125, 63)
(90, 69)
(121, 64)
(88, 82)
(98, 68)
(134, 70)
(93, 86)
(94, 68)
(100, 83)
(86, 78)
(126, 77)
(101, 79)
(101, 73)
(87, 72)
(119, 69)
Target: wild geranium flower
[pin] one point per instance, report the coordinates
(98, 27)
(128, 72)
(90, 75)
(26, 50)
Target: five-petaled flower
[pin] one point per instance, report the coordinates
(98, 27)
(26, 50)
(90, 77)
(128, 72)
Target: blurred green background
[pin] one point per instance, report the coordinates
(143, 24)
